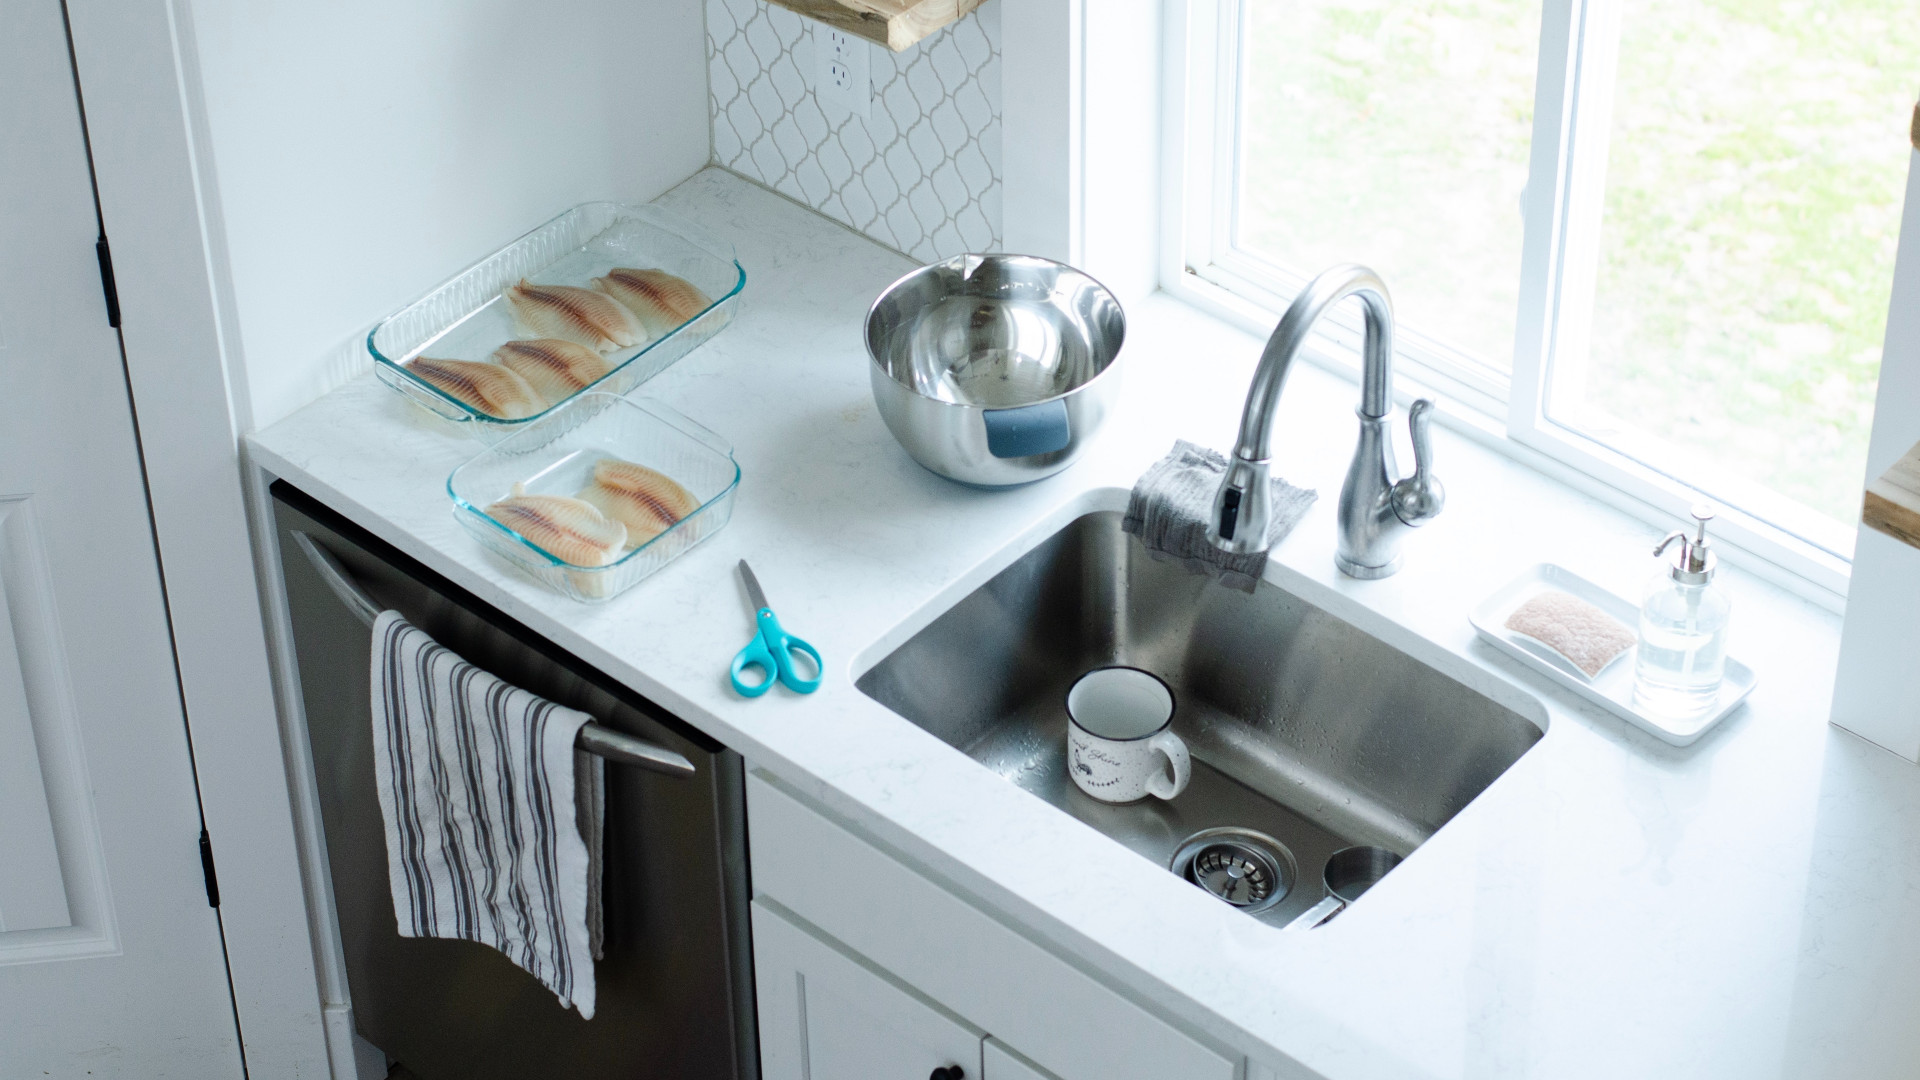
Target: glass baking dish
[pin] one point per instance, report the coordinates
(555, 455)
(466, 318)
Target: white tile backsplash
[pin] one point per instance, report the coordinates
(920, 173)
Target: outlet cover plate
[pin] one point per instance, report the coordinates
(842, 72)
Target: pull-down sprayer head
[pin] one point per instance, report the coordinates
(1375, 509)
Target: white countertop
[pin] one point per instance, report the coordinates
(1611, 907)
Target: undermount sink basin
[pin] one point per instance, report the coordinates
(1304, 728)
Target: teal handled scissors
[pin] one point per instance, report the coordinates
(772, 649)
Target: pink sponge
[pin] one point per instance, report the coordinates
(1575, 629)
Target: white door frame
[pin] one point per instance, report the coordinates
(147, 131)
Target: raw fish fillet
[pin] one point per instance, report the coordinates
(561, 311)
(568, 529)
(490, 388)
(661, 300)
(555, 368)
(646, 502)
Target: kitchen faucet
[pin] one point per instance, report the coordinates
(1376, 510)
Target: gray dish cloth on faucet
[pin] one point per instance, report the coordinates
(1172, 506)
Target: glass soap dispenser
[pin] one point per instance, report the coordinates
(1683, 629)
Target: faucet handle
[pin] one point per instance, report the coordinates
(1419, 498)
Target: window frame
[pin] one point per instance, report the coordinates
(1511, 413)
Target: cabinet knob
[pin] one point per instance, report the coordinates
(951, 1072)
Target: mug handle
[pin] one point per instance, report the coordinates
(1176, 751)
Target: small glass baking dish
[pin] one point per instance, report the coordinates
(555, 455)
(467, 318)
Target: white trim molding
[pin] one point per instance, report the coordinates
(139, 88)
(1041, 73)
(1081, 98)
(1873, 691)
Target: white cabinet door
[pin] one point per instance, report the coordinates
(825, 1015)
(110, 957)
(969, 961)
(999, 1062)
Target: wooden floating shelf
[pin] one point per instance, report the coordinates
(897, 24)
(1893, 501)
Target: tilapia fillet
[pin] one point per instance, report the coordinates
(490, 388)
(590, 318)
(646, 502)
(556, 368)
(662, 301)
(568, 529)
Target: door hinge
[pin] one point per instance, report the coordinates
(105, 255)
(206, 867)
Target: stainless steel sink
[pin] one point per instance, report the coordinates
(1303, 727)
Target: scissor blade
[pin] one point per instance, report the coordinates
(753, 587)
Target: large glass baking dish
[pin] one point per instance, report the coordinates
(555, 456)
(466, 318)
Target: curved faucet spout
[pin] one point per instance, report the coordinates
(1375, 508)
(1320, 295)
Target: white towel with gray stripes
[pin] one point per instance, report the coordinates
(477, 788)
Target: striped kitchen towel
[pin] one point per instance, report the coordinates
(477, 786)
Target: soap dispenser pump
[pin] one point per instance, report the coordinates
(1682, 656)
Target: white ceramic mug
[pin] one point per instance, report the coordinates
(1119, 748)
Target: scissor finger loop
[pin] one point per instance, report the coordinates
(756, 660)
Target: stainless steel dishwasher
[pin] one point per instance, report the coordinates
(675, 992)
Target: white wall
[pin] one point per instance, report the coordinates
(364, 151)
(1873, 695)
(1896, 416)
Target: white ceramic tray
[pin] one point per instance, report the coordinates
(1612, 689)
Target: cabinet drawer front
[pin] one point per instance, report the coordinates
(1055, 1014)
(826, 1016)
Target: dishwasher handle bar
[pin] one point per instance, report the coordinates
(594, 738)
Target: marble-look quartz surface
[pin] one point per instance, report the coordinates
(1611, 907)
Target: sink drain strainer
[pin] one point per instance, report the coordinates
(1250, 870)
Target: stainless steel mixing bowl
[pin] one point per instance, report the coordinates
(995, 370)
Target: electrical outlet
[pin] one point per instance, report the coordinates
(842, 72)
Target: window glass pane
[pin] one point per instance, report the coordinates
(1394, 133)
(1752, 204)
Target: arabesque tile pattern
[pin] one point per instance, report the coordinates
(920, 174)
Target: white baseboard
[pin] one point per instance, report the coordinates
(353, 1057)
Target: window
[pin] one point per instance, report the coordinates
(1653, 241)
